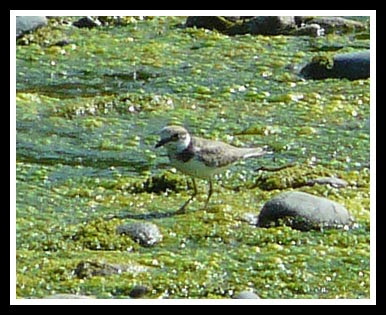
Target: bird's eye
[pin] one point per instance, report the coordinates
(174, 137)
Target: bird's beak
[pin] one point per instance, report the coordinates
(162, 142)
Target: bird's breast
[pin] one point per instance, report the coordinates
(195, 168)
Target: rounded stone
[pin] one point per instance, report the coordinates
(25, 24)
(303, 211)
(87, 22)
(146, 234)
(351, 66)
(138, 291)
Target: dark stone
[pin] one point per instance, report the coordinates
(351, 66)
(138, 291)
(275, 25)
(303, 211)
(271, 25)
(302, 20)
(87, 21)
(25, 24)
(62, 43)
(209, 22)
(266, 25)
(146, 234)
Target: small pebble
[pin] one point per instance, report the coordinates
(146, 234)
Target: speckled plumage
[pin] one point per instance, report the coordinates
(218, 154)
(200, 157)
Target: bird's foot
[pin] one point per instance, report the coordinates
(182, 209)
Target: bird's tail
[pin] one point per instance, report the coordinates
(255, 152)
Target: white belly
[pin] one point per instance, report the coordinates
(196, 168)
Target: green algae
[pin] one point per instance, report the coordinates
(87, 118)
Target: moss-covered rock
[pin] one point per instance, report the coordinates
(352, 66)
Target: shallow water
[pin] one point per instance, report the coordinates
(87, 119)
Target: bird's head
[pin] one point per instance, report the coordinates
(174, 138)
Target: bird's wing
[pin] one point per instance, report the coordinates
(218, 154)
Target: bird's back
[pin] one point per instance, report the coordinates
(219, 154)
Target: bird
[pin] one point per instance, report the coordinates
(199, 157)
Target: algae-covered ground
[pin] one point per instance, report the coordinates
(87, 118)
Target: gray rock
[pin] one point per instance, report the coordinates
(25, 24)
(146, 234)
(61, 43)
(303, 211)
(336, 24)
(272, 25)
(351, 66)
(87, 269)
(246, 295)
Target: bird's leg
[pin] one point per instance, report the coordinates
(182, 208)
(209, 193)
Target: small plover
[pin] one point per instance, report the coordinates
(199, 157)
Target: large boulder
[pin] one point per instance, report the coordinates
(351, 66)
(275, 25)
(272, 25)
(265, 25)
(25, 24)
(331, 24)
(303, 211)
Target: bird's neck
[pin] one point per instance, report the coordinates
(183, 145)
(186, 154)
